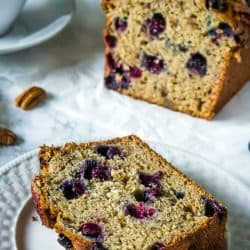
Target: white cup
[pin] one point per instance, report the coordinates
(9, 11)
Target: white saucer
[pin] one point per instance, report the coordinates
(39, 21)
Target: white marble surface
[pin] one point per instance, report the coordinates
(70, 68)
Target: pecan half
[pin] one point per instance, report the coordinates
(30, 98)
(7, 137)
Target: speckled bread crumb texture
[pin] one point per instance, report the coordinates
(134, 198)
(175, 53)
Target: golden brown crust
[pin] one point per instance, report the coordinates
(45, 154)
(46, 218)
(46, 213)
(210, 236)
(234, 77)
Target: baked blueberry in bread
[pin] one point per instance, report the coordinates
(120, 195)
(191, 56)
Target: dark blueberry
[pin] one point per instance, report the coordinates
(91, 169)
(213, 33)
(98, 246)
(158, 246)
(111, 41)
(152, 193)
(119, 70)
(135, 72)
(212, 207)
(92, 231)
(197, 64)
(111, 62)
(140, 211)
(73, 189)
(227, 29)
(178, 195)
(152, 64)
(110, 82)
(220, 5)
(156, 25)
(125, 82)
(113, 65)
(64, 241)
(87, 168)
(150, 180)
(148, 194)
(108, 151)
(120, 24)
(215, 36)
(101, 172)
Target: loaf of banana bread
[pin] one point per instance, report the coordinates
(120, 195)
(190, 56)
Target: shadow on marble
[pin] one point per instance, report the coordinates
(4, 121)
(4, 101)
(50, 97)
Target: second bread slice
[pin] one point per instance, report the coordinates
(120, 195)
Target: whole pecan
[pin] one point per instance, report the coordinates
(7, 137)
(30, 98)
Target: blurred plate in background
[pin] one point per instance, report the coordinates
(39, 21)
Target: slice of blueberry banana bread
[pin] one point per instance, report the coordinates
(191, 56)
(120, 195)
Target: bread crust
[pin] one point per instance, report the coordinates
(234, 76)
(210, 236)
(45, 215)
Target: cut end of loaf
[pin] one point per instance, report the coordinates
(120, 194)
(176, 54)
